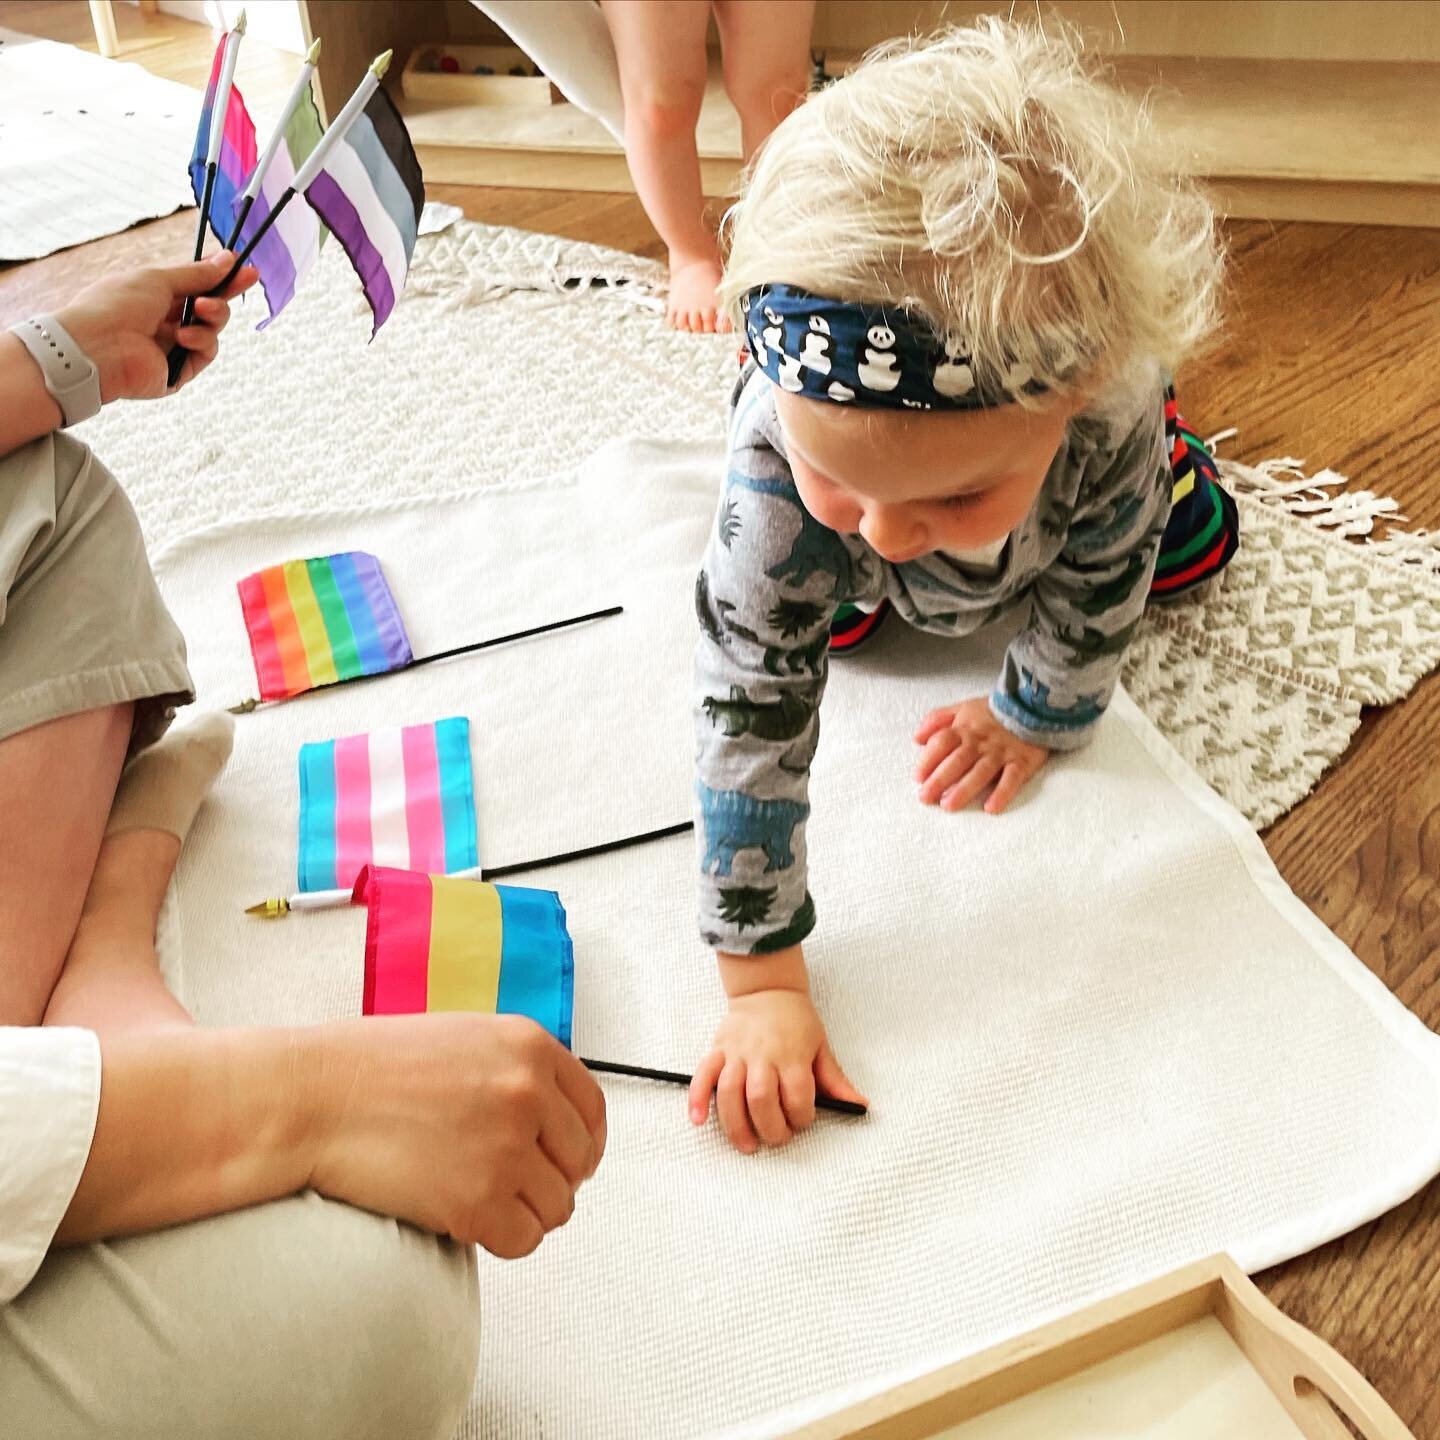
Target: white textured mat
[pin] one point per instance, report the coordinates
(88, 146)
(1101, 1037)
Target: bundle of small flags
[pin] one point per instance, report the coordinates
(360, 177)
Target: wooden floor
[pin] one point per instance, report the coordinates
(1331, 353)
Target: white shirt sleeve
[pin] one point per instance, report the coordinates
(49, 1098)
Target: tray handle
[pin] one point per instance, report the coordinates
(1306, 1374)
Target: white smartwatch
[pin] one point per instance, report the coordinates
(70, 374)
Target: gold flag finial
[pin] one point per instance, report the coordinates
(269, 909)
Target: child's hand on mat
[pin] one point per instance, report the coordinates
(770, 1053)
(967, 750)
(478, 1126)
(127, 323)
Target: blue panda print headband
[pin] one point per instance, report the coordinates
(867, 355)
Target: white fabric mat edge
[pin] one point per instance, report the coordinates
(1285, 1242)
(1266, 1248)
(1271, 1248)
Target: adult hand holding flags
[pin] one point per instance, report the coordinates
(360, 176)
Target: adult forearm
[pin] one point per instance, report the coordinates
(194, 1122)
(27, 409)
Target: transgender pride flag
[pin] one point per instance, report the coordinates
(403, 798)
(370, 192)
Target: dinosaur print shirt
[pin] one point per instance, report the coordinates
(1079, 566)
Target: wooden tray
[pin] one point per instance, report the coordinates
(465, 87)
(1197, 1355)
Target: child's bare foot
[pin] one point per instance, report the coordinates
(693, 305)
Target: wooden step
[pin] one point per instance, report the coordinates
(1277, 139)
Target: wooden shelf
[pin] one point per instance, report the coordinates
(1311, 140)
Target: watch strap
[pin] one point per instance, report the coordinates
(70, 374)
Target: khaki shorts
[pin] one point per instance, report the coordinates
(82, 624)
(298, 1320)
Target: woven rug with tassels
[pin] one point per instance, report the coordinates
(515, 355)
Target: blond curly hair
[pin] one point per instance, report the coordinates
(990, 181)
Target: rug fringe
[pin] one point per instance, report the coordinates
(564, 268)
(1321, 500)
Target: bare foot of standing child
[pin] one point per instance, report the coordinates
(692, 304)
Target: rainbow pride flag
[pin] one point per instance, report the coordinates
(290, 246)
(237, 151)
(370, 193)
(402, 798)
(318, 622)
(433, 943)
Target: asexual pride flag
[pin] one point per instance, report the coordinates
(403, 798)
(316, 622)
(433, 943)
(370, 193)
(237, 150)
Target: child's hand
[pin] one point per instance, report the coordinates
(127, 323)
(967, 750)
(770, 1054)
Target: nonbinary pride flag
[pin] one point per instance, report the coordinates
(403, 798)
(370, 193)
(237, 151)
(433, 943)
(317, 622)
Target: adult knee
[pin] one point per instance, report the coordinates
(302, 1319)
(396, 1321)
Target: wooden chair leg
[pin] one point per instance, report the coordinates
(102, 15)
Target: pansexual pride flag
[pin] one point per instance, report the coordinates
(237, 151)
(370, 193)
(403, 798)
(433, 943)
(289, 247)
(317, 622)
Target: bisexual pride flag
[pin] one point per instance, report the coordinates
(289, 247)
(402, 798)
(370, 193)
(433, 943)
(318, 622)
(237, 150)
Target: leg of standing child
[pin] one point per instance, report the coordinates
(766, 50)
(660, 47)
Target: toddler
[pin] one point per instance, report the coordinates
(963, 273)
(660, 50)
